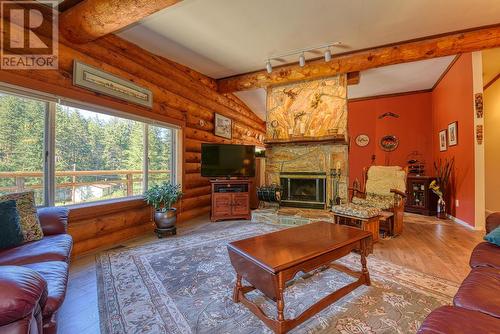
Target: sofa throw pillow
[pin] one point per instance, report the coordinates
(10, 228)
(30, 225)
(493, 237)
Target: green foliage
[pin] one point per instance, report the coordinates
(162, 196)
(84, 141)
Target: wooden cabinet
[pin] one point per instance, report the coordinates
(420, 199)
(230, 199)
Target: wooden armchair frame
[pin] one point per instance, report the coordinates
(395, 220)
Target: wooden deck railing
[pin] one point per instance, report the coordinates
(126, 177)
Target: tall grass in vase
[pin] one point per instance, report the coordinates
(441, 185)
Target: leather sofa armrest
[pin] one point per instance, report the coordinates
(21, 290)
(492, 221)
(54, 220)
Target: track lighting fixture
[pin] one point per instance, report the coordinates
(269, 67)
(302, 60)
(328, 55)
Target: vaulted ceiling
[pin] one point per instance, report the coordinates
(221, 38)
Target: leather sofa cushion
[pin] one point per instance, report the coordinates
(454, 320)
(21, 291)
(479, 292)
(485, 255)
(55, 274)
(50, 248)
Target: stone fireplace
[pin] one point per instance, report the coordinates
(306, 141)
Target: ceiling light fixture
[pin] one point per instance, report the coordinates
(269, 67)
(302, 60)
(328, 55)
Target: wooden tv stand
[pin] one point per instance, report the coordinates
(230, 199)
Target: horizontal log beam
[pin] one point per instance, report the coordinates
(431, 47)
(91, 19)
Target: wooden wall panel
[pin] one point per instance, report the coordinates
(182, 97)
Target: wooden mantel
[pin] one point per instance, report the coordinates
(337, 139)
(430, 47)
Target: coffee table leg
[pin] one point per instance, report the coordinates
(237, 288)
(364, 270)
(280, 303)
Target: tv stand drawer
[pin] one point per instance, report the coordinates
(230, 188)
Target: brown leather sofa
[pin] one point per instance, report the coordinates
(34, 276)
(476, 305)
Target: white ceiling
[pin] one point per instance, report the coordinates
(226, 37)
(392, 79)
(221, 38)
(400, 78)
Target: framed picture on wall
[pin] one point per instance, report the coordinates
(442, 140)
(453, 134)
(223, 126)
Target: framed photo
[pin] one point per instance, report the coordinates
(442, 141)
(223, 126)
(453, 134)
(93, 79)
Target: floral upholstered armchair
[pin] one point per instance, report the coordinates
(384, 189)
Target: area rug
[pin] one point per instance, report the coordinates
(183, 284)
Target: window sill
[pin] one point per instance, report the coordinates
(95, 209)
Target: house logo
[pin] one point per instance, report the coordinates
(29, 35)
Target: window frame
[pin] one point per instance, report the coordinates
(49, 170)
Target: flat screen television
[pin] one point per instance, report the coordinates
(227, 160)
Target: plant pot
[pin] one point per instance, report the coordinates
(165, 219)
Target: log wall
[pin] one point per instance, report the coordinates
(182, 97)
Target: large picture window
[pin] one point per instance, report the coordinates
(89, 155)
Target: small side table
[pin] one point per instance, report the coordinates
(371, 224)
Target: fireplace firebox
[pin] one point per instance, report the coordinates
(303, 189)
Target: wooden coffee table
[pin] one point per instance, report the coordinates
(268, 261)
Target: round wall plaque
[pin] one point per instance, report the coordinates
(362, 140)
(389, 143)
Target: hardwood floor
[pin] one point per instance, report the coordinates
(436, 247)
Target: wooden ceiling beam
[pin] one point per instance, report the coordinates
(404, 52)
(91, 19)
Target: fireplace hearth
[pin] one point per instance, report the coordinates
(303, 189)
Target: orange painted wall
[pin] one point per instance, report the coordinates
(452, 100)
(413, 129)
(422, 116)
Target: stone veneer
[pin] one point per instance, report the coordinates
(313, 112)
(291, 216)
(309, 158)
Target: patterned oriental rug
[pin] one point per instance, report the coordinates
(184, 284)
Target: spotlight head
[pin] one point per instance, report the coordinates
(328, 55)
(302, 60)
(269, 67)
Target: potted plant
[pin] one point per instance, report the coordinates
(440, 185)
(161, 197)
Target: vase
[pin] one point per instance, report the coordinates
(165, 221)
(441, 209)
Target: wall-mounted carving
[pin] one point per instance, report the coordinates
(311, 109)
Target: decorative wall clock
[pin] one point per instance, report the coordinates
(362, 140)
(389, 143)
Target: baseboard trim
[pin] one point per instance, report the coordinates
(460, 221)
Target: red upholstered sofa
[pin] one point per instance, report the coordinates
(476, 306)
(34, 276)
